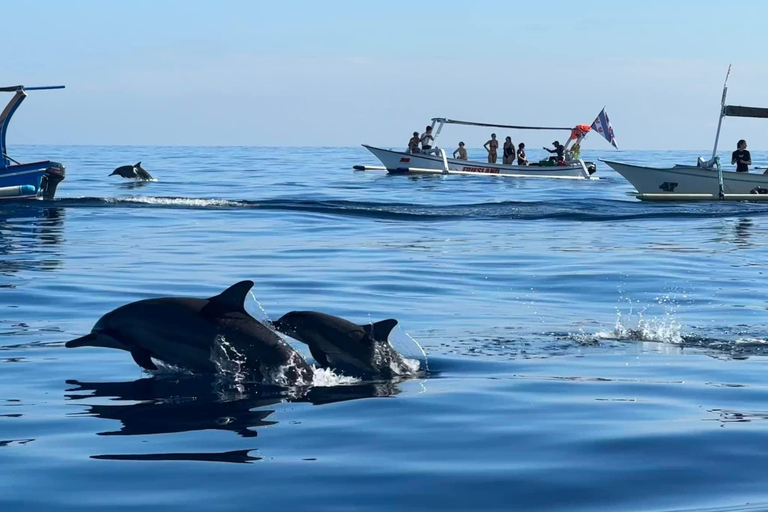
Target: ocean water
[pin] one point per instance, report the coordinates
(586, 351)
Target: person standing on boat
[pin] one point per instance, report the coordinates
(491, 147)
(413, 144)
(509, 151)
(741, 157)
(559, 149)
(461, 152)
(426, 140)
(521, 160)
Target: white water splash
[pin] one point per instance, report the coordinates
(230, 365)
(325, 377)
(637, 326)
(173, 201)
(261, 313)
(413, 354)
(164, 368)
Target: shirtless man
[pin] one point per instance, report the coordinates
(491, 147)
(461, 152)
(427, 139)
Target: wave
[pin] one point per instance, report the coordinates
(582, 210)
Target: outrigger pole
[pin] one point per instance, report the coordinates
(717, 136)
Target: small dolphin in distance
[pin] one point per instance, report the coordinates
(133, 171)
(336, 343)
(185, 332)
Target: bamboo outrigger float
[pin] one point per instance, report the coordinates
(436, 161)
(706, 181)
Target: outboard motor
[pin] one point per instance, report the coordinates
(53, 176)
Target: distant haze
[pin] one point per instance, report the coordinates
(341, 73)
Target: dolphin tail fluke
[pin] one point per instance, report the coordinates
(380, 331)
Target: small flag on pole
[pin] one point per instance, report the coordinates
(602, 125)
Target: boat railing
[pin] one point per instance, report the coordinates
(445, 161)
(584, 169)
(10, 159)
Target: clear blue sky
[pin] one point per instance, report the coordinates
(341, 73)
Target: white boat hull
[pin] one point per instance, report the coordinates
(682, 183)
(422, 163)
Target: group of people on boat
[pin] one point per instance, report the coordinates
(422, 143)
(508, 149)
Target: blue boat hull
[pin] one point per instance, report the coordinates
(33, 180)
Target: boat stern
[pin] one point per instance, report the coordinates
(54, 175)
(29, 181)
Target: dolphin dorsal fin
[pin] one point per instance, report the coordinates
(232, 299)
(138, 165)
(379, 331)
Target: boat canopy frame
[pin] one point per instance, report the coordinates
(441, 121)
(731, 111)
(7, 114)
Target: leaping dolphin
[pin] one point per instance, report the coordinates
(133, 171)
(185, 331)
(360, 350)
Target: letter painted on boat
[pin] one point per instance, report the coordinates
(484, 170)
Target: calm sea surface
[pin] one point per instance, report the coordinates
(587, 352)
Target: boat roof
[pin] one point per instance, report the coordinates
(15, 88)
(738, 111)
(494, 125)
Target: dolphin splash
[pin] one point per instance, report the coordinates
(336, 343)
(133, 171)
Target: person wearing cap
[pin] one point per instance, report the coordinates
(491, 147)
(462, 153)
(559, 149)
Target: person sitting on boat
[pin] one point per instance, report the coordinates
(426, 140)
(509, 151)
(741, 157)
(575, 152)
(521, 160)
(413, 144)
(559, 149)
(491, 147)
(461, 152)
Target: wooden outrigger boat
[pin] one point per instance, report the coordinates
(31, 180)
(706, 181)
(435, 160)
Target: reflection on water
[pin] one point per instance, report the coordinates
(30, 236)
(134, 185)
(233, 457)
(193, 403)
(742, 230)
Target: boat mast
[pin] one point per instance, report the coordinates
(721, 187)
(722, 112)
